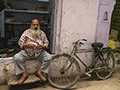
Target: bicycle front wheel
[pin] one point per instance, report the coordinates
(64, 71)
(105, 68)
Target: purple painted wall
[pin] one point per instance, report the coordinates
(104, 19)
(77, 19)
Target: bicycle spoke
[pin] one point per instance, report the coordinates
(66, 79)
(104, 69)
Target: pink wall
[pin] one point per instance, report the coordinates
(81, 19)
(77, 19)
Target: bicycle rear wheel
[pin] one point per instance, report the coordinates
(106, 68)
(60, 78)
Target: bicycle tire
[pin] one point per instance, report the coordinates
(69, 78)
(107, 68)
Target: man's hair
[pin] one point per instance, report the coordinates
(33, 20)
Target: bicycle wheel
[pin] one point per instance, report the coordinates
(105, 69)
(60, 78)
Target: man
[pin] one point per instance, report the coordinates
(32, 42)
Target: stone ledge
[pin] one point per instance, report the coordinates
(31, 79)
(7, 69)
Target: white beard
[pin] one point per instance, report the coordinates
(35, 33)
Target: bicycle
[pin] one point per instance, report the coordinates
(68, 70)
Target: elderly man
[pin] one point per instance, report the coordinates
(32, 42)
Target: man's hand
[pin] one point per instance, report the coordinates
(41, 46)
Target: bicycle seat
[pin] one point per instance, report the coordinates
(97, 44)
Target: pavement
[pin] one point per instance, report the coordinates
(85, 83)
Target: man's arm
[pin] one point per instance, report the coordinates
(40, 46)
(25, 45)
(22, 41)
(33, 46)
(45, 41)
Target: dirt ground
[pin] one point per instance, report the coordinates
(85, 83)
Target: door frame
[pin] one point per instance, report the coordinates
(56, 32)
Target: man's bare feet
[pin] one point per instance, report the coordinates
(40, 75)
(23, 78)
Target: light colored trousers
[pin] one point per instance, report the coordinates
(22, 56)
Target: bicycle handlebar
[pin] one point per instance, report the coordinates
(84, 39)
(78, 41)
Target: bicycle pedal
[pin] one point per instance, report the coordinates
(88, 73)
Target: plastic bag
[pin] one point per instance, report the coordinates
(111, 44)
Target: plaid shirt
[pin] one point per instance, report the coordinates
(27, 38)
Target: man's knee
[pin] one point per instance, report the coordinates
(15, 57)
(49, 57)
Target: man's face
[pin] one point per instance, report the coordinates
(35, 24)
(35, 29)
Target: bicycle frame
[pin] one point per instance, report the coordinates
(74, 51)
(98, 52)
(69, 71)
